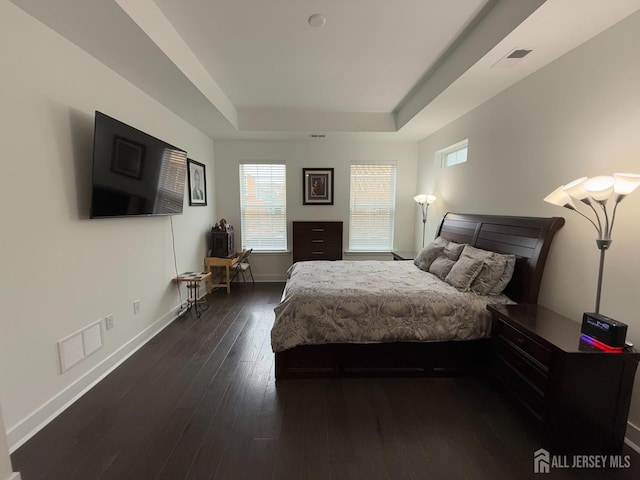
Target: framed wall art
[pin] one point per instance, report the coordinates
(197, 183)
(317, 186)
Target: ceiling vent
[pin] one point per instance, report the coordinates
(317, 135)
(519, 53)
(512, 58)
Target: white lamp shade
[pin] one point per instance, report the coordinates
(560, 197)
(422, 198)
(576, 189)
(626, 183)
(600, 188)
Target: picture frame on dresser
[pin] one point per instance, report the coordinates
(317, 186)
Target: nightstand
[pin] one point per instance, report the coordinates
(578, 394)
(404, 255)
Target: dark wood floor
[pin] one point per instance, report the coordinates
(199, 401)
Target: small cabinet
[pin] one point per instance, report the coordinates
(317, 241)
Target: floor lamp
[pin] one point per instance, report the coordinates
(595, 192)
(424, 201)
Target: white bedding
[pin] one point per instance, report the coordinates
(374, 302)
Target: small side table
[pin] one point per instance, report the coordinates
(224, 264)
(403, 255)
(193, 279)
(578, 394)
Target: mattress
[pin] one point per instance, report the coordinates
(374, 302)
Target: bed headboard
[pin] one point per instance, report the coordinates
(528, 238)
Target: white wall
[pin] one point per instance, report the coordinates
(315, 153)
(62, 271)
(579, 116)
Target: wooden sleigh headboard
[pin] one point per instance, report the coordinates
(528, 238)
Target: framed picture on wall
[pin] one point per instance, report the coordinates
(317, 186)
(197, 183)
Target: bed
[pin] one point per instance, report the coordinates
(390, 318)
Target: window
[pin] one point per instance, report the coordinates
(453, 155)
(263, 206)
(372, 207)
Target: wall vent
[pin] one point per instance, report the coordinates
(80, 345)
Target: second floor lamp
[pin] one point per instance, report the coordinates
(424, 201)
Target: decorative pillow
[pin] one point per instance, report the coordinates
(463, 272)
(495, 273)
(441, 266)
(427, 255)
(510, 264)
(473, 252)
(443, 242)
(491, 272)
(453, 250)
(492, 269)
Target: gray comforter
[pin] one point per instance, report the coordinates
(373, 302)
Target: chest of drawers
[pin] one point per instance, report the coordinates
(579, 395)
(317, 241)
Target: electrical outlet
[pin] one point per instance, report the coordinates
(136, 307)
(108, 321)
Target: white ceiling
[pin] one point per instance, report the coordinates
(377, 69)
(365, 58)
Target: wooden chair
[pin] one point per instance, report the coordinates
(242, 266)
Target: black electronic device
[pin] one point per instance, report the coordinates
(604, 330)
(134, 173)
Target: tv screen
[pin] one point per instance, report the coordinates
(134, 174)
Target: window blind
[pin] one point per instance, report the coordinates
(263, 206)
(372, 207)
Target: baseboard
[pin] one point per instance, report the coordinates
(14, 476)
(633, 436)
(36, 421)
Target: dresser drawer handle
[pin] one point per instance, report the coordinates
(317, 241)
(317, 229)
(317, 253)
(520, 341)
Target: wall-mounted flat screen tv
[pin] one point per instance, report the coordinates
(134, 174)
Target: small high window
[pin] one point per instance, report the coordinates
(453, 154)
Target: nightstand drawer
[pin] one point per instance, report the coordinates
(529, 396)
(537, 351)
(523, 365)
